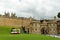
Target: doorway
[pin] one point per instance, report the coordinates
(44, 31)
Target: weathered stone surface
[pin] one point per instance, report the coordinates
(34, 26)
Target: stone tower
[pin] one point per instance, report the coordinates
(53, 26)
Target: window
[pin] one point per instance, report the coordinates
(36, 29)
(35, 24)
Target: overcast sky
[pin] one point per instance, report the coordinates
(35, 8)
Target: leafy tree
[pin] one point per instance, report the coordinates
(58, 15)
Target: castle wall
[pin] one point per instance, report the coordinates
(52, 28)
(13, 22)
(35, 28)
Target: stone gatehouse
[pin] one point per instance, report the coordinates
(43, 26)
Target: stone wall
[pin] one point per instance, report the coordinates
(49, 26)
(13, 22)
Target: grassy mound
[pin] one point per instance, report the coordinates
(5, 35)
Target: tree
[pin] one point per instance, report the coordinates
(58, 15)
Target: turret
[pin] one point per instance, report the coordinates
(55, 19)
(30, 19)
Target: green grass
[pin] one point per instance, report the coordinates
(5, 35)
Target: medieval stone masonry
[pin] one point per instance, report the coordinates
(30, 25)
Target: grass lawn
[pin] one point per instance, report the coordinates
(5, 35)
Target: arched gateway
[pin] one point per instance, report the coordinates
(44, 31)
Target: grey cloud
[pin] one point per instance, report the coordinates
(36, 8)
(36, 13)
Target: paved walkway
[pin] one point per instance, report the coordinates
(57, 36)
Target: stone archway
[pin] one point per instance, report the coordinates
(44, 31)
